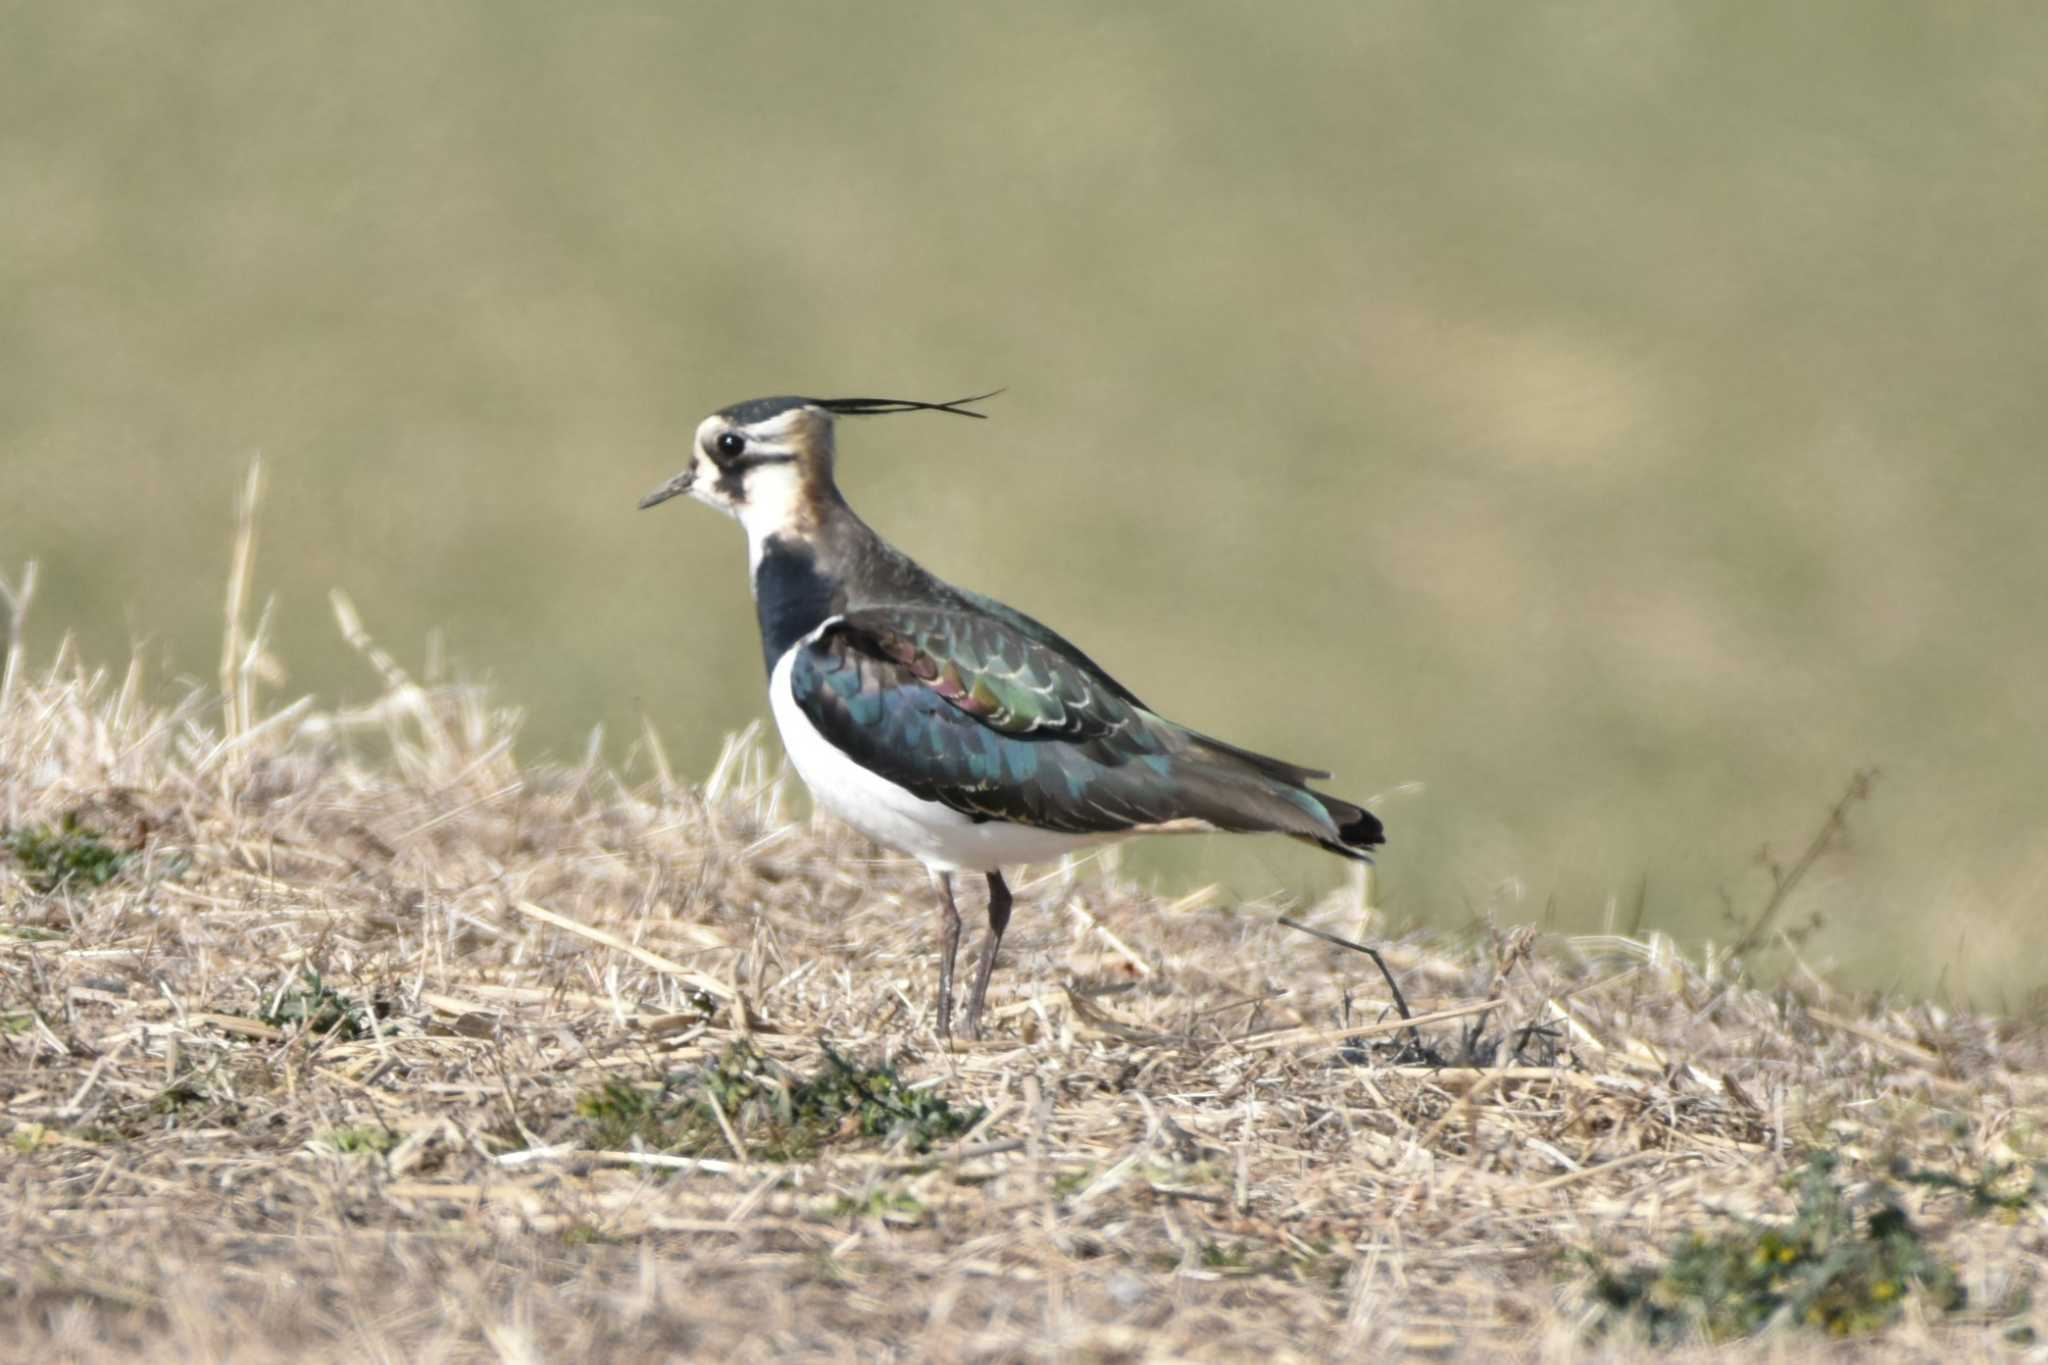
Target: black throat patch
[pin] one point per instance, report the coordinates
(791, 595)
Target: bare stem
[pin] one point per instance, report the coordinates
(17, 598)
(235, 696)
(1784, 880)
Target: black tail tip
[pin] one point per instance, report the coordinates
(1359, 831)
(1364, 832)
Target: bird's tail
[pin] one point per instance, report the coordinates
(1358, 830)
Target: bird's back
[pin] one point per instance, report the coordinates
(877, 574)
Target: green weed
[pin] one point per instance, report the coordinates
(776, 1116)
(1067, 1184)
(2008, 1189)
(622, 1116)
(883, 1204)
(177, 1097)
(68, 855)
(1830, 1269)
(305, 1001)
(1303, 1262)
(360, 1140)
(842, 1101)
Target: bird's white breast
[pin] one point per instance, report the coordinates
(938, 836)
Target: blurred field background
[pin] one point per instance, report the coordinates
(1610, 425)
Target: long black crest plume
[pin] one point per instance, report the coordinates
(875, 407)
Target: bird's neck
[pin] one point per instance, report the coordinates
(793, 593)
(831, 562)
(784, 502)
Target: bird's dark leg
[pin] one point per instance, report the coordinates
(998, 920)
(949, 948)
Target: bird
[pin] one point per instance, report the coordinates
(942, 723)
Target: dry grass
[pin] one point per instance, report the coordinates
(322, 1067)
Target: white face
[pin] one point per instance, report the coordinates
(759, 483)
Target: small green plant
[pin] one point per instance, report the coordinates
(1827, 1269)
(622, 1115)
(305, 1001)
(1230, 1257)
(178, 1096)
(361, 1140)
(68, 855)
(1307, 1263)
(2007, 1189)
(882, 1204)
(1067, 1184)
(775, 1116)
(784, 1118)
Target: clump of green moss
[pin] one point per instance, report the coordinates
(774, 1114)
(1834, 1267)
(66, 855)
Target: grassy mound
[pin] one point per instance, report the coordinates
(340, 1032)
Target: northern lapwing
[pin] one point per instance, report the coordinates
(944, 724)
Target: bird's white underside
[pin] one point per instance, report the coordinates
(941, 838)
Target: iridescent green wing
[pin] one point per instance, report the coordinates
(966, 710)
(1009, 682)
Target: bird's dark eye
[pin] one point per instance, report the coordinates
(731, 443)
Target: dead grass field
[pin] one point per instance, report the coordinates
(339, 1034)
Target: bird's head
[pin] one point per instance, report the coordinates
(768, 461)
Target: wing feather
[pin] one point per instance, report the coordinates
(968, 711)
(998, 675)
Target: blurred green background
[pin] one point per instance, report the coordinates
(1602, 427)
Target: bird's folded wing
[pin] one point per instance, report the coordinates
(970, 712)
(965, 711)
(1009, 682)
